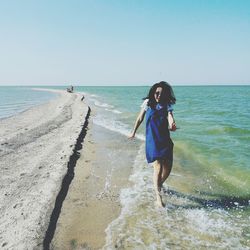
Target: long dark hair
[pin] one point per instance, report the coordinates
(167, 95)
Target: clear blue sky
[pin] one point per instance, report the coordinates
(124, 42)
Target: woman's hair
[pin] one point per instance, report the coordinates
(167, 95)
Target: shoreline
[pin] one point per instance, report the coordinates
(69, 176)
(93, 200)
(35, 148)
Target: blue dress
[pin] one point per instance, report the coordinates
(158, 142)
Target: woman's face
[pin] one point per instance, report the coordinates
(158, 92)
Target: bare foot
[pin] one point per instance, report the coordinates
(159, 201)
(159, 204)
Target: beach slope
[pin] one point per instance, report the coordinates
(35, 149)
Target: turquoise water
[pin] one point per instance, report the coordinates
(14, 100)
(214, 129)
(207, 195)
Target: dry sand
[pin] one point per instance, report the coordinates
(35, 149)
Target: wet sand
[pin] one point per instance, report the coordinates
(93, 200)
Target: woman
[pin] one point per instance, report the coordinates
(159, 146)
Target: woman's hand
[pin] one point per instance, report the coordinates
(173, 128)
(138, 122)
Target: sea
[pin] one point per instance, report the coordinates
(16, 99)
(207, 195)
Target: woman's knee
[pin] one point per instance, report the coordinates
(167, 164)
(157, 166)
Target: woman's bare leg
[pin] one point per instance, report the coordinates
(157, 182)
(166, 166)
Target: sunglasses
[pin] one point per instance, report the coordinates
(157, 93)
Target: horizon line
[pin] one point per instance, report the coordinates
(124, 85)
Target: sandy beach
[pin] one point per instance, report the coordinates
(36, 148)
(61, 176)
(71, 179)
(93, 199)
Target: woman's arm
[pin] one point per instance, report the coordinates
(171, 121)
(138, 122)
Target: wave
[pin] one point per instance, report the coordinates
(128, 199)
(97, 103)
(114, 111)
(102, 105)
(230, 130)
(188, 220)
(115, 126)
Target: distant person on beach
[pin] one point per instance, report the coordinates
(70, 89)
(158, 107)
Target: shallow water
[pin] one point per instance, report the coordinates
(207, 194)
(189, 220)
(16, 99)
